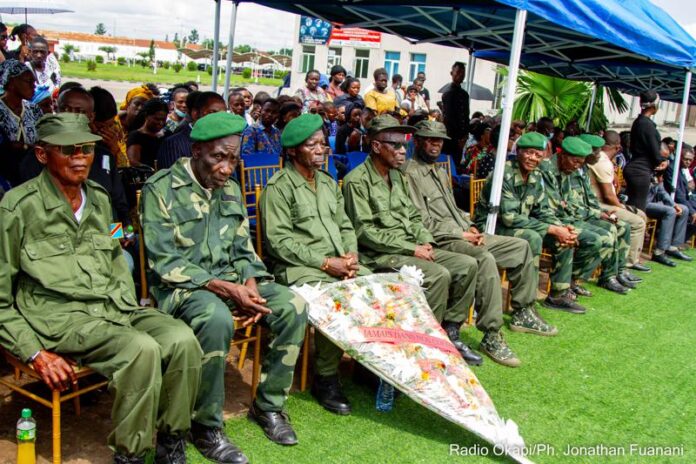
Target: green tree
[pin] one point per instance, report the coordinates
(193, 36)
(144, 58)
(208, 44)
(151, 51)
(100, 30)
(285, 51)
(110, 52)
(244, 48)
(176, 41)
(70, 50)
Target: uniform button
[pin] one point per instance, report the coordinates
(62, 246)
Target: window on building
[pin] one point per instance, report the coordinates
(334, 59)
(391, 63)
(308, 54)
(361, 63)
(417, 65)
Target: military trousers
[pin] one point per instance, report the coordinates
(154, 369)
(636, 222)
(450, 281)
(562, 257)
(600, 244)
(211, 320)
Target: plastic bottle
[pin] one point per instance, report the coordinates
(130, 233)
(26, 438)
(385, 397)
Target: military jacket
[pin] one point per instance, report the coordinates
(55, 270)
(303, 226)
(193, 236)
(523, 205)
(385, 220)
(431, 192)
(567, 193)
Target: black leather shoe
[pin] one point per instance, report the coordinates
(613, 285)
(122, 459)
(171, 449)
(631, 277)
(679, 255)
(579, 290)
(663, 259)
(213, 444)
(276, 425)
(563, 302)
(470, 356)
(327, 391)
(640, 267)
(623, 280)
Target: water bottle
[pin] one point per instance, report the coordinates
(130, 233)
(385, 396)
(26, 438)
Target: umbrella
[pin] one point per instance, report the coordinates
(478, 92)
(33, 7)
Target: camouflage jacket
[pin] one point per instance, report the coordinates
(431, 192)
(523, 205)
(385, 220)
(193, 235)
(568, 193)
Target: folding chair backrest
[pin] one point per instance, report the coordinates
(444, 162)
(256, 169)
(475, 188)
(355, 158)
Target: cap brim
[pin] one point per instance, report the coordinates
(399, 128)
(71, 138)
(432, 134)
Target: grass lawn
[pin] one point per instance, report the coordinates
(112, 72)
(622, 374)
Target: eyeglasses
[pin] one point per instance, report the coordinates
(395, 145)
(71, 150)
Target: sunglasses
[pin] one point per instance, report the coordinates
(71, 150)
(395, 145)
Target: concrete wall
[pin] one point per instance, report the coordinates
(88, 50)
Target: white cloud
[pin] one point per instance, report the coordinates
(258, 26)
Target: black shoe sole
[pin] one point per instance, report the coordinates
(563, 308)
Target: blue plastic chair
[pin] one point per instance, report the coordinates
(354, 159)
(256, 169)
(332, 143)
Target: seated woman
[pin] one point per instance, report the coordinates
(349, 135)
(144, 142)
(311, 92)
(351, 87)
(479, 158)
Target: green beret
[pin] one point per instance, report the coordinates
(595, 141)
(532, 140)
(575, 146)
(65, 129)
(216, 126)
(432, 129)
(300, 129)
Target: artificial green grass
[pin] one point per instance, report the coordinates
(622, 374)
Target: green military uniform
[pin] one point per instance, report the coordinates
(65, 287)
(303, 224)
(389, 227)
(525, 213)
(431, 192)
(194, 235)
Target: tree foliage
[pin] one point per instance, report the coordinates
(100, 30)
(244, 48)
(193, 36)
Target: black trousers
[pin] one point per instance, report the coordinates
(637, 186)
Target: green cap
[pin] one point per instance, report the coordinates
(65, 129)
(26, 413)
(595, 141)
(433, 129)
(575, 146)
(532, 140)
(216, 126)
(300, 129)
(387, 122)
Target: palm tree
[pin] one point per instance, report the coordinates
(562, 100)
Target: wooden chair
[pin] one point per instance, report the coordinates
(256, 169)
(650, 229)
(57, 397)
(619, 182)
(444, 162)
(475, 188)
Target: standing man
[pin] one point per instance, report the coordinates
(431, 192)
(601, 173)
(455, 113)
(310, 238)
(391, 234)
(205, 270)
(380, 99)
(65, 291)
(425, 93)
(525, 212)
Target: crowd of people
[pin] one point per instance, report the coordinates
(69, 171)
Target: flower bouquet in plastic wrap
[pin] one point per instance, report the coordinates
(384, 322)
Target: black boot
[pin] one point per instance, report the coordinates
(213, 444)
(327, 391)
(470, 356)
(123, 459)
(171, 449)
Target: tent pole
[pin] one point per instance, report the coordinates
(680, 137)
(216, 43)
(230, 49)
(508, 102)
(468, 69)
(592, 102)
(470, 82)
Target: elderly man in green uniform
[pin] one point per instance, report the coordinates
(204, 269)
(431, 192)
(391, 234)
(596, 244)
(525, 213)
(309, 237)
(590, 208)
(65, 291)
